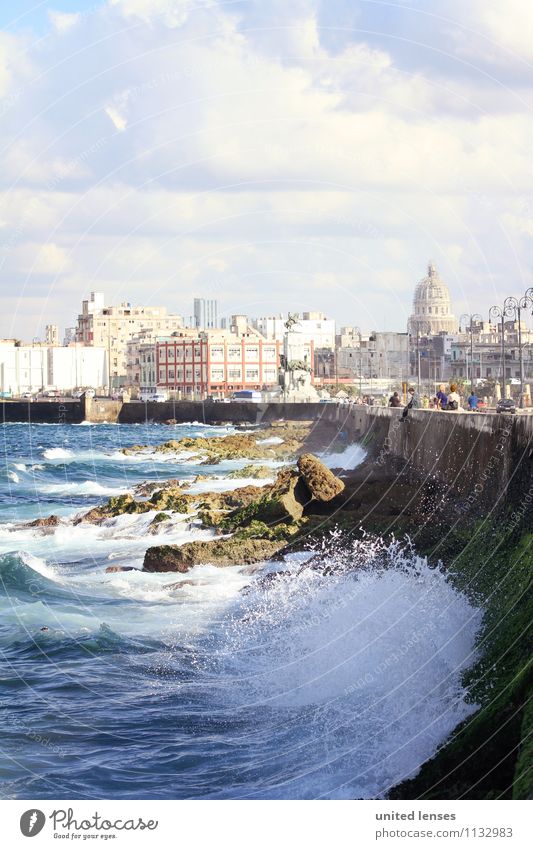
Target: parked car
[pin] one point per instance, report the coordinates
(28, 396)
(506, 405)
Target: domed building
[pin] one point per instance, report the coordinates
(432, 306)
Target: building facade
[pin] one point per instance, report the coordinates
(25, 368)
(205, 314)
(210, 364)
(111, 327)
(314, 327)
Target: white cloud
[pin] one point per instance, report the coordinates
(259, 162)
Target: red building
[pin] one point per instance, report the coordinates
(211, 363)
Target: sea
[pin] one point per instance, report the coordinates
(332, 683)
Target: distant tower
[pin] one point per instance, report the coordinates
(432, 306)
(205, 314)
(52, 335)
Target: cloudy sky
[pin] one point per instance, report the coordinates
(276, 155)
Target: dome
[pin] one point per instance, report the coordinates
(432, 306)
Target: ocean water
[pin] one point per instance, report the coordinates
(217, 683)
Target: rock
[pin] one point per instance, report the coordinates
(252, 471)
(170, 499)
(110, 569)
(158, 518)
(320, 481)
(49, 522)
(218, 552)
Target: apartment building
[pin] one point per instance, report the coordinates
(112, 327)
(216, 363)
(314, 327)
(35, 368)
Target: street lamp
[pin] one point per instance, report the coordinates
(417, 325)
(358, 331)
(513, 307)
(471, 318)
(499, 312)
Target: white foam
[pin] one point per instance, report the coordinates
(348, 459)
(82, 488)
(58, 454)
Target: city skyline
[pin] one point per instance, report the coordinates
(316, 164)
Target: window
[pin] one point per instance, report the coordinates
(269, 353)
(234, 353)
(170, 353)
(179, 353)
(161, 374)
(171, 374)
(217, 352)
(251, 352)
(217, 374)
(252, 374)
(234, 374)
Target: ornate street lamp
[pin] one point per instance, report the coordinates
(418, 326)
(499, 312)
(513, 307)
(470, 318)
(358, 331)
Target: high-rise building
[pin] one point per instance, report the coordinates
(205, 314)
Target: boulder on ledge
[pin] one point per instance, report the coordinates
(319, 480)
(217, 552)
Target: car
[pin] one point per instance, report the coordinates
(27, 396)
(506, 405)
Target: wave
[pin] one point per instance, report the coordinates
(350, 458)
(87, 487)
(58, 454)
(24, 571)
(357, 674)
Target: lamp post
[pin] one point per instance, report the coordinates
(499, 312)
(513, 307)
(470, 318)
(358, 331)
(417, 326)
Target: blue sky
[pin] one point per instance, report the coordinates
(278, 156)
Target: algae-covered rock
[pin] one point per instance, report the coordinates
(170, 499)
(252, 471)
(218, 552)
(159, 518)
(320, 481)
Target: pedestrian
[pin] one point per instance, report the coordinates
(413, 402)
(442, 398)
(454, 399)
(395, 400)
(473, 401)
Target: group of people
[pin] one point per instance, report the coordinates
(443, 400)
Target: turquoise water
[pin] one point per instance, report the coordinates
(211, 684)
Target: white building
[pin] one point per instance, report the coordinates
(27, 368)
(432, 306)
(111, 327)
(314, 327)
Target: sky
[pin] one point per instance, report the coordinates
(303, 155)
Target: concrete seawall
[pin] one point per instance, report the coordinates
(478, 456)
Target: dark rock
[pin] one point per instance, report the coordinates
(218, 552)
(48, 522)
(110, 569)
